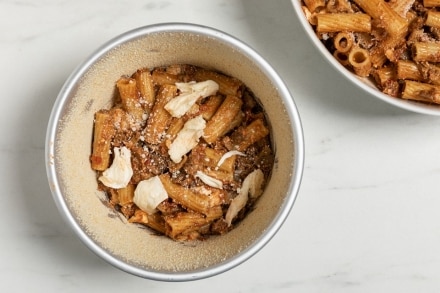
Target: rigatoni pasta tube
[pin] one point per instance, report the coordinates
(130, 99)
(359, 59)
(234, 123)
(102, 135)
(337, 22)
(339, 6)
(433, 18)
(187, 222)
(183, 222)
(227, 85)
(343, 42)
(175, 126)
(401, 7)
(431, 3)
(314, 5)
(161, 77)
(144, 83)
(222, 119)
(384, 74)
(159, 118)
(139, 217)
(154, 221)
(430, 72)
(126, 194)
(411, 16)
(374, 8)
(378, 57)
(342, 57)
(244, 137)
(209, 106)
(408, 70)
(426, 51)
(195, 201)
(419, 91)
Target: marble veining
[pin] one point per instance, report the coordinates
(366, 218)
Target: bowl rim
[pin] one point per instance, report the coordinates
(356, 80)
(131, 35)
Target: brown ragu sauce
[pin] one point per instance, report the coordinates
(180, 169)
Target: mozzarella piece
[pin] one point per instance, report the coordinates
(253, 186)
(256, 180)
(208, 180)
(118, 175)
(187, 138)
(189, 94)
(149, 194)
(228, 155)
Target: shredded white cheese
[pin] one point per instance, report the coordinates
(189, 94)
(149, 194)
(255, 181)
(253, 186)
(187, 138)
(228, 155)
(208, 180)
(118, 175)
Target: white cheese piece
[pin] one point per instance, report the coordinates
(187, 138)
(256, 180)
(118, 175)
(253, 186)
(228, 155)
(208, 180)
(149, 194)
(189, 94)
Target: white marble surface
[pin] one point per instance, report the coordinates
(367, 217)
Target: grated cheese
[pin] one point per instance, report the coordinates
(208, 180)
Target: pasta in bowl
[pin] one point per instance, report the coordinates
(104, 201)
(387, 48)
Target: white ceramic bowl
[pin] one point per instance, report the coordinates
(364, 84)
(73, 183)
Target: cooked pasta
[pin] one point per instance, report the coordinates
(187, 162)
(340, 22)
(390, 42)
